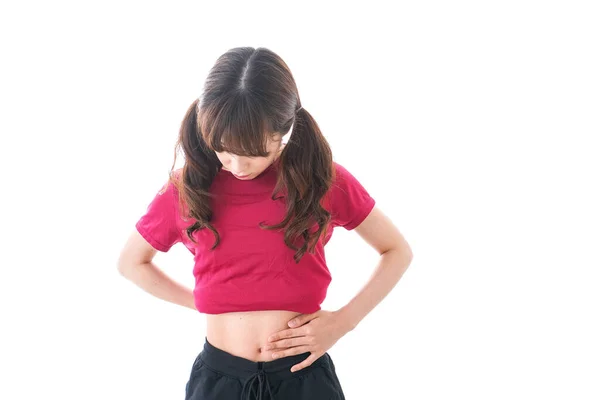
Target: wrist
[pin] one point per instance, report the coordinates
(346, 319)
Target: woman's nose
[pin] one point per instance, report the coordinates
(238, 165)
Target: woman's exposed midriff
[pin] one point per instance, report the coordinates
(243, 334)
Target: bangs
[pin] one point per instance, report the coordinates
(235, 128)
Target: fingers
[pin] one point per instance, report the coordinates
(309, 360)
(287, 343)
(288, 333)
(302, 319)
(290, 352)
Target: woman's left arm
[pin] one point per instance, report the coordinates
(396, 255)
(319, 331)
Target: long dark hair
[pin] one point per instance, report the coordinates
(249, 95)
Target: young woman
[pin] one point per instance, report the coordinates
(256, 211)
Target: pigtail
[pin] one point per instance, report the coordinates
(306, 175)
(200, 169)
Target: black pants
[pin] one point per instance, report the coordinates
(218, 375)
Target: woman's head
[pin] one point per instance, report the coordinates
(249, 167)
(248, 104)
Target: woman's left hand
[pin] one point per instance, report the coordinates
(316, 332)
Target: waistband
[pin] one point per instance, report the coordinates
(256, 375)
(242, 368)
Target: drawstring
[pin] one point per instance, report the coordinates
(261, 376)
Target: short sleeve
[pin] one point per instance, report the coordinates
(159, 224)
(350, 203)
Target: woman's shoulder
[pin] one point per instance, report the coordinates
(173, 182)
(348, 199)
(168, 197)
(342, 177)
(340, 172)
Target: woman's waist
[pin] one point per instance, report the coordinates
(244, 334)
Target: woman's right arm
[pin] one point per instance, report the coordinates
(135, 263)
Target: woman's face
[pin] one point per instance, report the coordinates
(245, 168)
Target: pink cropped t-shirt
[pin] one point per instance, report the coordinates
(252, 269)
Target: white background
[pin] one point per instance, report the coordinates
(474, 124)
